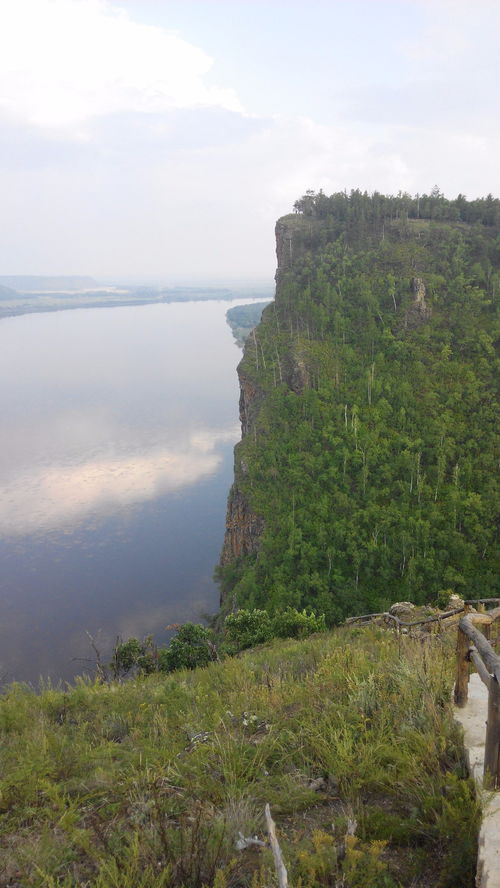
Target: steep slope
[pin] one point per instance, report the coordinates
(157, 782)
(367, 468)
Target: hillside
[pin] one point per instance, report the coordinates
(349, 737)
(368, 465)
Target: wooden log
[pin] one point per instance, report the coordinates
(275, 848)
(481, 668)
(436, 619)
(364, 617)
(492, 742)
(489, 657)
(484, 621)
(480, 619)
(462, 674)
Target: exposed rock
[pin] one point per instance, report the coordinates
(249, 399)
(419, 311)
(284, 246)
(455, 601)
(243, 528)
(401, 607)
(296, 374)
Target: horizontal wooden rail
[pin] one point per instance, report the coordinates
(406, 624)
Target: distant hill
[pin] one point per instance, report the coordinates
(35, 283)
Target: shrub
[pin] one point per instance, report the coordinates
(246, 628)
(141, 656)
(292, 623)
(191, 647)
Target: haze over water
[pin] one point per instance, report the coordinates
(118, 427)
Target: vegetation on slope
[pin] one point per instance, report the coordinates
(371, 450)
(243, 318)
(150, 783)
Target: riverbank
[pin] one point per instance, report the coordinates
(29, 303)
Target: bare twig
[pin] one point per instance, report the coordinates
(100, 669)
(278, 858)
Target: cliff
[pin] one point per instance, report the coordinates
(366, 469)
(244, 526)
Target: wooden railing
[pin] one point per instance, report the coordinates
(473, 646)
(406, 625)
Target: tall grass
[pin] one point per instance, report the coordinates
(151, 782)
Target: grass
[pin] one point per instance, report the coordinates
(150, 782)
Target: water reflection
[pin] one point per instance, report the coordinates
(116, 458)
(58, 496)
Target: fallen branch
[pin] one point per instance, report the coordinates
(278, 858)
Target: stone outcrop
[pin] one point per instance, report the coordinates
(243, 528)
(296, 374)
(419, 310)
(249, 399)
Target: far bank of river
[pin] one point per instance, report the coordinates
(29, 303)
(118, 432)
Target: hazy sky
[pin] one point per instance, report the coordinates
(161, 139)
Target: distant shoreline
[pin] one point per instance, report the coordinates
(26, 304)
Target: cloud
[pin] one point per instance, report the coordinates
(63, 62)
(63, 496)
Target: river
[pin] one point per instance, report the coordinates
(118, 428)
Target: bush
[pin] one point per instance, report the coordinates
(191, 647)
(140, 656)
(292, 623)
(246, 628)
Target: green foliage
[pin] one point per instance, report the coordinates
(149, 782)
(243, 318)
(133, 654)
(247, 628)
(371, 452)
(442, 599)
(292, 623)
(191, 647)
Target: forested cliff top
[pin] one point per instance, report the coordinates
(367, 469)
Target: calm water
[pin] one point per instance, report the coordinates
(115, 462)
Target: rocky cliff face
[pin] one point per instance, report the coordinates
(243, 526)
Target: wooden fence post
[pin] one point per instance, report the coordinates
(462, 676)
(492, 742)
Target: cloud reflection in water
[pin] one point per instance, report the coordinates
(63, 496)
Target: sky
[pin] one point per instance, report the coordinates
(159, 140)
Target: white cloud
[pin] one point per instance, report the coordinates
(63, 62)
